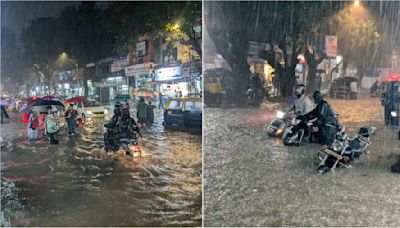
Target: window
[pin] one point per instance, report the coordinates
(175, 104)
(193, 105)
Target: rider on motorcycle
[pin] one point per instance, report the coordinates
(120, 126)
(326, 121)
(302, 103)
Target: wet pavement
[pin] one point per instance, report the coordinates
(253, 180)
(76, 184)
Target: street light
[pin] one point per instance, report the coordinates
(176, 26)
(356, 3)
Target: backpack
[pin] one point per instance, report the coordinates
(35, 124)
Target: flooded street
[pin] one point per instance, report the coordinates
(76, 184)
(253, 180)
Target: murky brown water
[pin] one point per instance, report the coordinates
(253, 180)
(76, 184)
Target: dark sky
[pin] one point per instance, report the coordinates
(17, 14)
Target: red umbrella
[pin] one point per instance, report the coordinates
(76, 99)
(391, 77)
(48, 97)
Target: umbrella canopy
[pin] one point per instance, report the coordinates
(76, 99)
(48, 97)
(41, 105)
(148, 98)
(391, 77)
(3, 102)
(43, 108)
(144, 93)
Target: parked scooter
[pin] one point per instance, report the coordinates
(344, 149)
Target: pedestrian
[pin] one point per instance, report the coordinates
(33, 126)
(150, 113)
(142, 111)
(160, 101)
(52, 126)
(70, 118)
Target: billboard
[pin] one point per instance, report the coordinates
(331, 46)
(168, 73)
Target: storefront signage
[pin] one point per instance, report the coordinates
(168, 73)
(331, 46)
(119, 64)
(143, 69)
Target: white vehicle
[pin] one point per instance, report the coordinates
(91, 109)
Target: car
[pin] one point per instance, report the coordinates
(122, 98)
(184, 112)
(91, 109)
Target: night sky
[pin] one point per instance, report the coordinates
(17, 14)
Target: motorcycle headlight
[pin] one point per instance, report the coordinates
(295, 121)
(393, 113)
(280, 114)
(337, 146)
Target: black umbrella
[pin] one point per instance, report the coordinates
(41, 105)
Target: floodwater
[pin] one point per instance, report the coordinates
(253, 180)
(76, 184)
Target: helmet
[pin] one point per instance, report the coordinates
(363, 132)
(299, 90)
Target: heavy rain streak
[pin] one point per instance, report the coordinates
(101, 114)
(266, 163)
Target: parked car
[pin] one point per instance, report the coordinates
(184, 112)
(122, 98)
(91, 109)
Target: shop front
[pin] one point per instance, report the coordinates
(139, 76)
(170, 81)
(110, 87)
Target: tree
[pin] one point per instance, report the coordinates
(286, 26)
(82, 37)
(153, 18)
(39, 41)
(11, 73)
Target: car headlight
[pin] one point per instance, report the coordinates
(90, 112)
(105, 111)
(393, 113)
(280, 114)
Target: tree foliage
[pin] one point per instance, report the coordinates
(129, 20)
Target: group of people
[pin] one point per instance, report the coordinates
(326, 124)
(145, 112)
(51, 124)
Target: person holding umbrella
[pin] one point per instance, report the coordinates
(52, 126)
(70, 118)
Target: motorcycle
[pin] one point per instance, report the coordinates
(344, 149)
(130, 145)
(278, 125)
(294, 132)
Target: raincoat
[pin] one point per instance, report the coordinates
(142, 111)
(326, 122)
